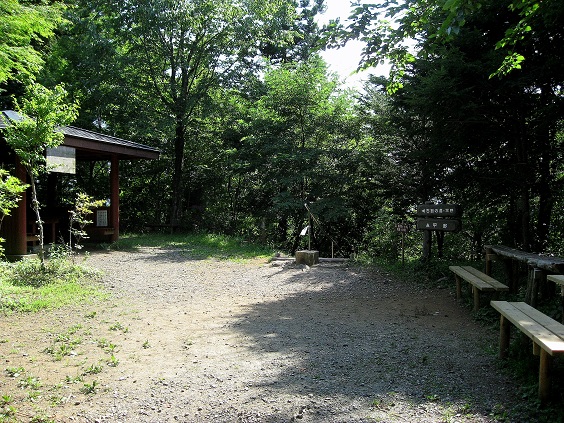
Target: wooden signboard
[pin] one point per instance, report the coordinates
(438, 210)
(447, 225)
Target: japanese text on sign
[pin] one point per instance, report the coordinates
(438, 210)
(438, 224)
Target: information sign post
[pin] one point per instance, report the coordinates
(440, 218)
(402, 228)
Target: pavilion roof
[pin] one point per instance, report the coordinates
(92, 145)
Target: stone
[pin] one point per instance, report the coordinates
(307, 257)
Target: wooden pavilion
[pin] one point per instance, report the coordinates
(79, 145)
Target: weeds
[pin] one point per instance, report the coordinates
(30, 382)
(27, 286)
(119, 327)
(7, 413)
(64, 343)
(112, 361)
(14, 371)
(72, 380)
(89, 388)
(93, 370)
(41, 419)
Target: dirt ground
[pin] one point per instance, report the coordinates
(185, 340)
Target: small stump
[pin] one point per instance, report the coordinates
(309, 257)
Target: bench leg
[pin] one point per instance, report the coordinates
(504, 337)
(459, 287)
(544, 376)
(476, 292)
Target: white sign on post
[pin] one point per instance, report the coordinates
(102, 218)
(61, 159)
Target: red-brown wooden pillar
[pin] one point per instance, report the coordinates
(14, 227)
(114, 196)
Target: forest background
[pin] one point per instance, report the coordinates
(259, 139)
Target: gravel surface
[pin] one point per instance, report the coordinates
(217, 341)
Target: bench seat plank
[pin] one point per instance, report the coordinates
(549, 323)
(471, 278)
(547, 335)
(530, 322)
(497, 285)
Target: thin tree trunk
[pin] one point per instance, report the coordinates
(35, 206)
(177, 186)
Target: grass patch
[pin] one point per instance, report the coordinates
(197, 246)
(26, 286)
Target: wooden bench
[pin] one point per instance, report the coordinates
(479, 281)
(546, 333)
(99, 233)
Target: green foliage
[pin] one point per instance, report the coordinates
(197, 246)
(11, 189)
(83, 207)
(27, 286)
(25, 28)
(90, 388)
(390, 30)
(42, 112)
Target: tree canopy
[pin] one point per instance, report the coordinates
(258, 139)
(25, 27)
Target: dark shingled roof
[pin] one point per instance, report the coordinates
(93, 145)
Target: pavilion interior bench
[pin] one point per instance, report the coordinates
(479, 281)
(546, 333)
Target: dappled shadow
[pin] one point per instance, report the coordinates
(370, 339)
(167, 254)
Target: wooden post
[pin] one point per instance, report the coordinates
(544, 376)
(504, 337)
(114, 196)
(531, 295)
(402, 248)
(476, 293)
(458, 286)
(14, 227)
(490, 256)
(427, 242)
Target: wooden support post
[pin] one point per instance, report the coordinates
(458, 286)
(531, 296)
(544, 376)
(504, 337)
(427, 243)
(476, 293)
(490, 256)
(536, 349)
(114, 196)
(14, 228)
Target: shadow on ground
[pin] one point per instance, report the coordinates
(369, 339)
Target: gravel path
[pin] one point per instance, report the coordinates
(217, 341)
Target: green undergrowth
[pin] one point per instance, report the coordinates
(196, 246)
(27, 286)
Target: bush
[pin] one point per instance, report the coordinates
(29, 285)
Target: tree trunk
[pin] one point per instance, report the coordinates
(545, 135)
(177, 185)
(36, 207)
